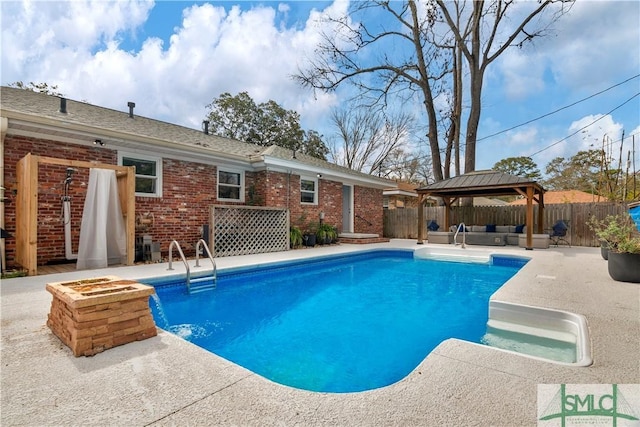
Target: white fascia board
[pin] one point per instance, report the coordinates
(397, 192)
(286, 166)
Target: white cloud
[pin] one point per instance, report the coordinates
(76, 45)
(586, 49)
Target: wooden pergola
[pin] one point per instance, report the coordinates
(486, 183)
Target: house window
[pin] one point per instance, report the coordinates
(308, 191)
(148, 173)
(230, 185)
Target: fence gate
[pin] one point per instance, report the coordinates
(245, 230)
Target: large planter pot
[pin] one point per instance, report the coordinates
(309, 239)
(604, 250)
(624, 267)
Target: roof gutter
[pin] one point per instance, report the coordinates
(276, 163)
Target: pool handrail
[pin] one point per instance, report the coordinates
(184, 260)
(464, 234)
(213, 262)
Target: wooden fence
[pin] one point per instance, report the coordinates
(403, 223)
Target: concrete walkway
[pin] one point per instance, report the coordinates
(167, 381)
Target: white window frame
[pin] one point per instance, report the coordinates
(230, 170)
(315, 192)
(158, 177)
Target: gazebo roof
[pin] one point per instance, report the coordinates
(481, 183)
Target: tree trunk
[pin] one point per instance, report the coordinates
(432, 134)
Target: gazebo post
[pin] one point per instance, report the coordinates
(529, 219)
(421, 199)
(447, 212)
(540, 213)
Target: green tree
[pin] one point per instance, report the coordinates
(37, 87)
(521, 166)
(266, 124)
(313, 145)
(585, 171)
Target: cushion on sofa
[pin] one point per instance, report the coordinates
(520, 228)
(504, 229)
(478, 228)
(490, 228)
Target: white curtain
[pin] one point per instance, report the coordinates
(102, 231)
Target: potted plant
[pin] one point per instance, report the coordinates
(321, 235)
(295, 237)
(309, 235)
(325, 234)
(606, 231)
(620, 236)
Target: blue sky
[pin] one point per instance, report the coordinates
(174, 57)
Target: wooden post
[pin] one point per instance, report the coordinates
(529, 218)
(126, 194)
(27, 214)
(447, 213)
(421, 199)
(541, 213)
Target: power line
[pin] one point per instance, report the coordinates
(558, 110)
(584, 127)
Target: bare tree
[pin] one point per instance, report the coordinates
(481, 42)
(403, 74)
(367, 140)
(411, 55)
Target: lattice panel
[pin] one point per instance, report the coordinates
(245, 230)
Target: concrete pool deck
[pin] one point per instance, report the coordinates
(167, 381)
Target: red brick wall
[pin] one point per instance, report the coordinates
(189, 189)
(367, 208)
(283, 190)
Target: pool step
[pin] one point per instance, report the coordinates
(201, 284)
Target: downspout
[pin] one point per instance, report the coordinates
(4, 126)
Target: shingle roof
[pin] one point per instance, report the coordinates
(97, 118)
(44, 110)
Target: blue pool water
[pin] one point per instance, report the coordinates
(346, 324)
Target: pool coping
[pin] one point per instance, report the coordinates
(167, 381)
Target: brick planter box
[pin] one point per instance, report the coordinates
(92, 315)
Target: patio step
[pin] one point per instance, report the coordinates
(361, 238)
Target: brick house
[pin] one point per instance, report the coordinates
(180, 174)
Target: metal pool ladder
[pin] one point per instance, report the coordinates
(204, 283)
(464, 234)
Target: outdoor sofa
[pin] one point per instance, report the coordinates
(489, 235)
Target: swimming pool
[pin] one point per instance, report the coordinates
(336, 324)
